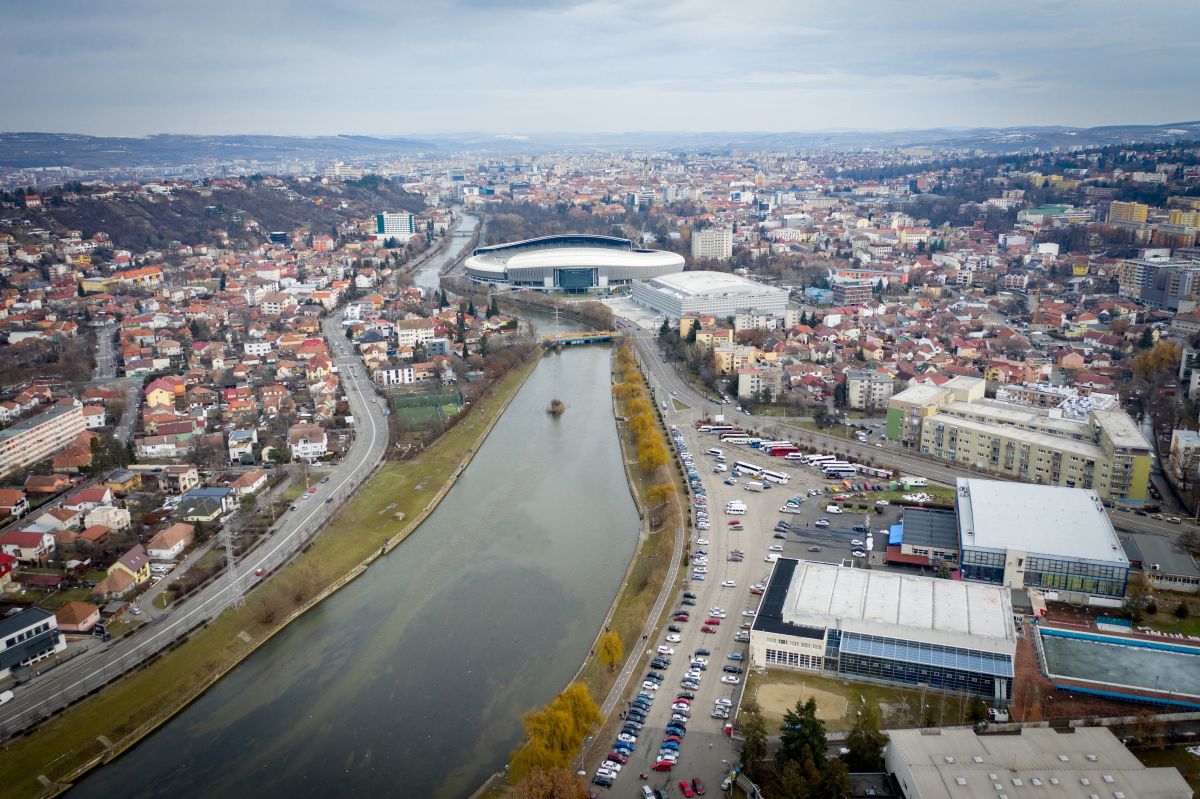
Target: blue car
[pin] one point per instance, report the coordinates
(670, 745)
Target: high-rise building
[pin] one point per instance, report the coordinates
(1128, 212)
(712, 243)
(27, 442)
(853, 291)
(401, 226)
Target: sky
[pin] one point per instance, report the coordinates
(315, 67)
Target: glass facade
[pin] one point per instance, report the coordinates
(1052, 574)
(911, 662)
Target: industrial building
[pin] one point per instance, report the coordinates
(1101, 450)
(924, 537)
(704, 293)
(876, 625)
(1029, 536)
(569, 263)
(1035, 763)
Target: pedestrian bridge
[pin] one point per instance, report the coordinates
(566, 339)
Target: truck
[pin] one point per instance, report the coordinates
(997, 716)
(754, 485)
(913, 482)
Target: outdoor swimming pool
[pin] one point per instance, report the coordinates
(1167, 668)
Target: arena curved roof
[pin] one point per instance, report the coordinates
(542, 262)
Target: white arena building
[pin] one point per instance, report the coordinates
(569, 263)
(717, 293)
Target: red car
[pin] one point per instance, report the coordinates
(617, 757)
(260, 571)
(709, 630)
(686, 788)
(662, 766)
(697, 786)
(680, 617)
(713, 622)
(312, 490)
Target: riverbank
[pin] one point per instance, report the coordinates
(640, 600)
(388, 508)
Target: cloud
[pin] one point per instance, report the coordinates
(369, 66)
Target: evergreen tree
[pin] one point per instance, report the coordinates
(471, 308)
(803, 736)
(664, 328)
(691, 335)
(865, 742)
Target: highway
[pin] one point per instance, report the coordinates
(889, 455)
(56, 688)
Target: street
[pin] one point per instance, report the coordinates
(54, 689)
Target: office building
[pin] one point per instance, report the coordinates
(27, 637)
(1104, 450)
(898, 628)
(708, 293)
(1035, 763)
(569, 263)
(1028, 536)
(712, 243)
(27, 442)
(400, 226)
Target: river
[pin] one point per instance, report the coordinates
(428, 277)
(411, 681)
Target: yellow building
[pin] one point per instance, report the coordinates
(159, 397)
(135, 563)
(1128, 212)
(1184, 218)
(1105, 451)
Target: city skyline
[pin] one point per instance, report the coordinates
(369, 68)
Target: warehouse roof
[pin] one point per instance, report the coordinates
(876, 602)
(1045, 520)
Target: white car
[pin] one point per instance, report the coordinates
(856, 543)
(699, 661)
(730, 679)
(702, 542)
(666, 650)
(882, 503)
(821, 523)
(729, 584)
(715, 609)
(749, 614)
(611, 765)
(673, 638)
(649, 685)
(725, 702)
(776, 548)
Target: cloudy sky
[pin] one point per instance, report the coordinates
(306, 67)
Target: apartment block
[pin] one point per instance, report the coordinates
(25, 443)
(1104, 450)
(867, 390)
(712, 243)
(853, 291)
(1128, 212)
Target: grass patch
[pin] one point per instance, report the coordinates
(899, 708)
(1167, 622)
(679, 406)
(1176, 756)
(148, 696)
(837, 430)
(56, 600)
(160, 601)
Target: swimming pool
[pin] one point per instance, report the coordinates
(1165, 668)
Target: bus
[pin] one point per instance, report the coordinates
(731, 439)
(838, 469)
(747, 468)
(817, 460)
(714, 428)
(870, 471)
(783, 449)
(774, 477)
(768, 444)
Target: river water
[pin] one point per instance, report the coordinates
(411, 680)
(428, 277)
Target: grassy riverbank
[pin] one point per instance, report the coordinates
(124, 712)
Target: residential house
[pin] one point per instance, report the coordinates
(77, 617)
(13, 502)
(135, 563)
(169, 544)
(27, 546)
(309, 442)
(250, 482)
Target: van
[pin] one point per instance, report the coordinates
(715, 452)
(772, 557)
(832, 509)
(5, 696)
(753, 485)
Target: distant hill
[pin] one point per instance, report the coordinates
(252, 153)
(31, 150)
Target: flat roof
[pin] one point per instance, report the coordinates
(920, 394)
(1085, 449)
(930, 528)
(891, 604)
(1037, 762)
(691, 283)
(1121, 429)
(1044, 520)
(1167, 554)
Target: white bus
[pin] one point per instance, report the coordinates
(747, 468)
(734, 440)
(775, 477)
(839, 470)
(817, 460)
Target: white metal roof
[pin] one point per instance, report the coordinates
(876, 602)
(690, 283)
(1044, 520)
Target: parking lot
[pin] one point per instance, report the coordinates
(719, 593)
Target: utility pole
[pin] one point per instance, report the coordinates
(239, 598)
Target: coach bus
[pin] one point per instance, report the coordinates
(747, 468)
(774, 477)
(885, 474)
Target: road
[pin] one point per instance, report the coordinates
(49, 692)
(106, 364)
(890, 455)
